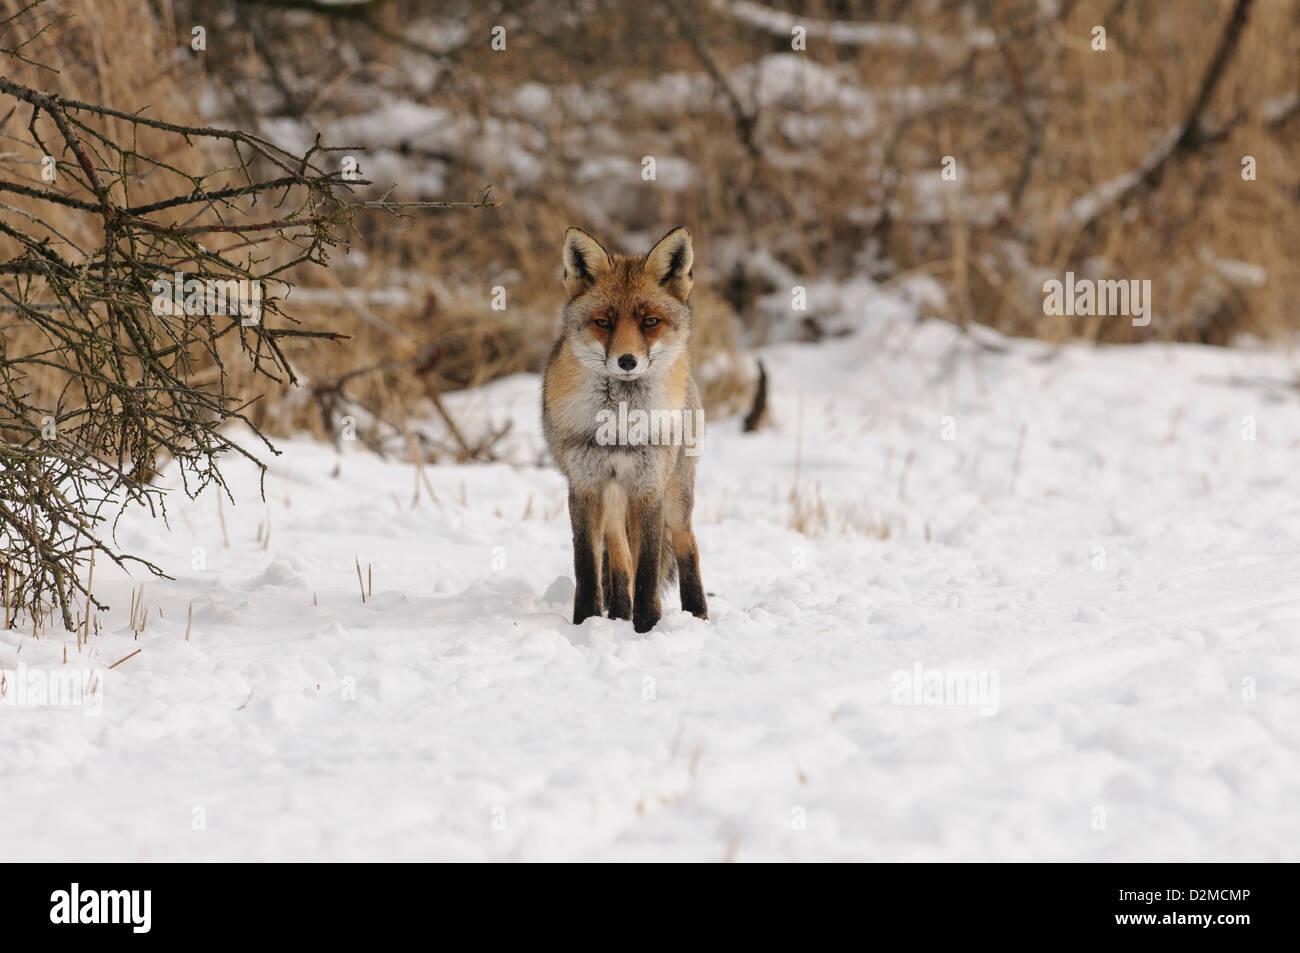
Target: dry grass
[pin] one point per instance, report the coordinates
(835, 183)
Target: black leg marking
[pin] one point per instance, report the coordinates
(605, 589)
(620, 603)
(688, 571)
(586, 569)
(645, 599)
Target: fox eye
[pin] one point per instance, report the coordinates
(601, 322)
(649, 322)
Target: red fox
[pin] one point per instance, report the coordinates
(623, 420)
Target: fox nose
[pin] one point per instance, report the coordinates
(627, 362)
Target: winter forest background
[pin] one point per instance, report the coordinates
(1080, 531)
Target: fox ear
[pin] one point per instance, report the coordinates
(585, 259)
(671, 263)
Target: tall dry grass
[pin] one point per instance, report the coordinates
(821, 163)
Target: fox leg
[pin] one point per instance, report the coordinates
(618, 599)
(585, 515)
(688, 573)
(677, 516)
(646, 521)
(618, 557)
(605, 588)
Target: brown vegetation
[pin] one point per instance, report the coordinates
(818, 163)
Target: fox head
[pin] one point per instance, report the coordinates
(628, 315)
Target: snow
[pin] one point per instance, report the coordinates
(1087, 207)
(848, 33)
(1277, 109)
(1087, 593)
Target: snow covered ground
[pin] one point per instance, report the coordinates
(965, 604)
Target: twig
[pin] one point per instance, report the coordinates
(1015, 466)
(124, 658)
(746, 120)
(759, 407)
(1177, 143)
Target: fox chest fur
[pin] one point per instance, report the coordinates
(601, 429)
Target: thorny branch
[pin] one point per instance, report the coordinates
(102, 378)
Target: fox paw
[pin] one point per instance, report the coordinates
(645, 621)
